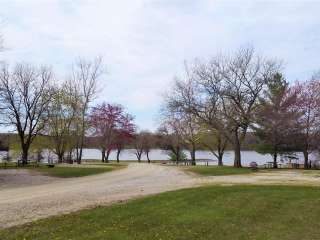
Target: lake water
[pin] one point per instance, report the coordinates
(157, 154)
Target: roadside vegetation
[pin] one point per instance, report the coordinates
(70, 171)
(217, 170)
(7, 165)
(228, 170)
(237, 212)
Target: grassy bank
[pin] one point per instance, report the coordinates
(228, 170)
(4, 165)
(216, 171)
(77, 171)
(238, 212)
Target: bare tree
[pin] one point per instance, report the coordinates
(179, 109)
(222, 93)
(188, 99)
(147, 142)
(171, 132)
(138, 143)
(233, 85)
(191, 134)
(215, 142)
(25, 95)
(84, 79)
(181, 131)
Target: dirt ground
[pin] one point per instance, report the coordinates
(27, 196)
(11, 178)
(27, 203)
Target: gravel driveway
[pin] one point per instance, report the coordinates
(56, 196)
(28, 203)
(11, 178)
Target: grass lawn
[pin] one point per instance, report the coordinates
(77, 171)
(7, 165)
(216, 170)
(237, 212)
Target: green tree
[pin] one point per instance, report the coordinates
(275, 119)
(61, 122)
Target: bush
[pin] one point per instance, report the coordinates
(173, 157)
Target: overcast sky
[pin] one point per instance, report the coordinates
(145, 42)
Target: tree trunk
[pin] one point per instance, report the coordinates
(77, 152)
(220, 147)
(306, 159)
(80, 156)
(193, 155)
(237, 151)
(139, 156)
(103, 154)
(118, 155)
(107, 156)
(82, 136)
(148, 156)
(220, 162)
(69, 157)
(178, 155)
(24, 157)
(60, 157)
(275, 156)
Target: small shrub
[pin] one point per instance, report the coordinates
(173, 157)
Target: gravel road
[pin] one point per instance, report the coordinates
(24, 204)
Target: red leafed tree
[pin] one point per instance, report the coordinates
(111, 126)
(124, 134)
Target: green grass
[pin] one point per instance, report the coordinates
(216, 170)
(13, 165)
(8, 165)
(238, 212)
(68, 172)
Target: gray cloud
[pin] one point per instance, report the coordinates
(144, 43)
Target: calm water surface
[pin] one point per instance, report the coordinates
(157, 154)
